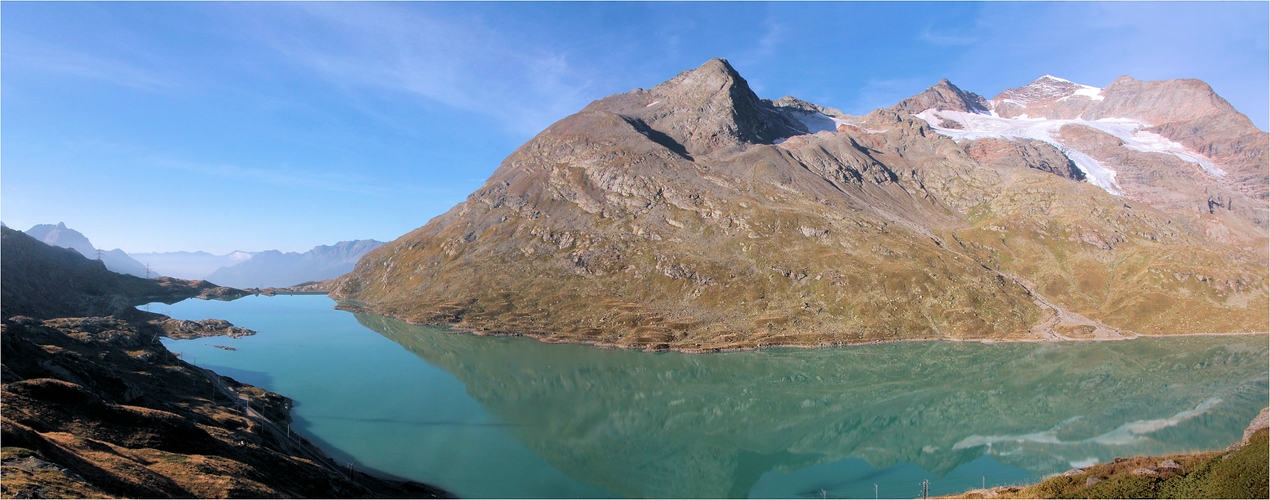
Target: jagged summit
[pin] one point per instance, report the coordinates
(704, 110)
(944, 96)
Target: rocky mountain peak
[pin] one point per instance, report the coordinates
(705, 110)
(62, 236)
(1162, 101)
(1047, 97)
(944, 96)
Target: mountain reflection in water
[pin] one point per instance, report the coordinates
(737, 424)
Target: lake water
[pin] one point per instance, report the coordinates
(514, 417)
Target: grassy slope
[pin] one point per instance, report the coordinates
(1242, 473)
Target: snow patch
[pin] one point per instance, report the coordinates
(1131, 133)
(818, 122)
(651, 104)
(1094, 93)
(977, 126)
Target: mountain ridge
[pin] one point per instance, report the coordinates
(61, 236)
(667, 219)
(273, 268)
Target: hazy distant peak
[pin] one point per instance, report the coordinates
(62, 236)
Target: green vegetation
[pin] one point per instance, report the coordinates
(1242, 473)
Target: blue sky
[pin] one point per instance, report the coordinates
(220, 126)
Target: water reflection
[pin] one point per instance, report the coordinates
(763, 423)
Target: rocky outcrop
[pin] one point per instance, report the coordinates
(944, 95)
(1005, 154)
(191, 329)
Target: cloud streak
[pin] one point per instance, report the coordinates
(281, 176)
(75, 64)
(460, 63)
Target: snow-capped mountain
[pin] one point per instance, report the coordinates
(1173, 144)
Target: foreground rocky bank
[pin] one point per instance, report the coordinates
(94, 406)
(696, 216)
(1241, 471)
(99, 408)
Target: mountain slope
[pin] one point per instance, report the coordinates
(276, 269)
(42, 281)
(695, 215)
(61, 236)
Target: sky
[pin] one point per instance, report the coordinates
(154, 126)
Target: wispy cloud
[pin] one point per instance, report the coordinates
(946, 39)
(279, 176)
(94, 67)
(460, 63)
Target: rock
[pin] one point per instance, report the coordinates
(946, 96)
(1092, 481)
(190, 329)
(1074, 472)
(1261, 421)
(1169, 465)
(1145, 471)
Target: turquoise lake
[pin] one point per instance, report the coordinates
(514, 417)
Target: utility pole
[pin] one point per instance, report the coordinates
(98, 254)
(875, 491)
(925, 488)
(147, 268)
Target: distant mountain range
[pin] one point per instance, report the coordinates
(115, 260)
(237, 269)
(697, 216)
(190, 265)
(276, 269)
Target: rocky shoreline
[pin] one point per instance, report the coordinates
(93, 405)
(97, 407)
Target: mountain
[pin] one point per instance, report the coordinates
(697, 216)
(1175, 145)
(190, 265)
(42, 281)
(944, 95)
(60, 235)
(276, 269)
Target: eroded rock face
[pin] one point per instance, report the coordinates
(697, 216)
(944, 95)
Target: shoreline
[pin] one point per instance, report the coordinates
(460, 329)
